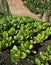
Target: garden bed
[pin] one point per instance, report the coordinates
(24, 41)
(6, 60)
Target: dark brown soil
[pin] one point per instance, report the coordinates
(5, 57)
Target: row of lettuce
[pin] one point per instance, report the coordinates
(23, 33)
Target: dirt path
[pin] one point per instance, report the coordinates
(17, 8)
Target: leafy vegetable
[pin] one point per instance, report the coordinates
(44, 57)
(22, 33)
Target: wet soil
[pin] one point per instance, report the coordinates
(6, 60)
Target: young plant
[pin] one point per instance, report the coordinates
(44, 57)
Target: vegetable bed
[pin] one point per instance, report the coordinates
(24, 41)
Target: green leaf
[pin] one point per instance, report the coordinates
(23, 55)
(30, 46)
(37, 61)
(15, 54)
(27, 51)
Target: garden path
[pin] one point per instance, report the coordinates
(17, 8)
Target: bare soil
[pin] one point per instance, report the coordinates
(17, 8)
(5, 58)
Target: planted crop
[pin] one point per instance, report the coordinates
(44, 57)
(22, 34)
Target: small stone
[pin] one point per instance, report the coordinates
(50, 18)
(45, 17)
(16, 63)
(39, 15)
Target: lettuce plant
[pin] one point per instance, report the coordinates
(44, 57)
(24, 32)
